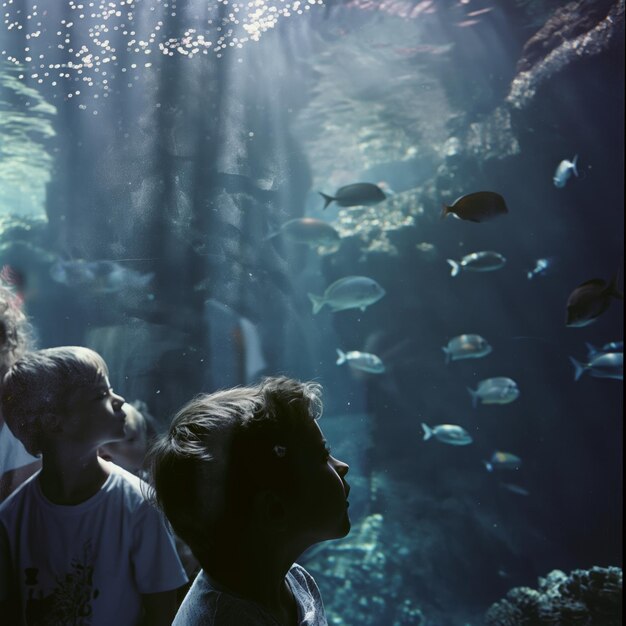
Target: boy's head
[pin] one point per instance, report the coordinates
(130, 452)
(250, 460)
(60, 392)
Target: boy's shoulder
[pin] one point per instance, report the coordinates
(136, 492)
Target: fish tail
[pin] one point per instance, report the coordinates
(579, 368)
(574, 162)
(455, 267)
(612, 288)
(318, 302)
(591, 350)
(341, 357)
(529, 275)
(445, 209)
(428, 431)
(327, 199)
(447, 353)
(474, 395)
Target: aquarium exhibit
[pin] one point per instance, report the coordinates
(416, 204)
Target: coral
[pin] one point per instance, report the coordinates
(586, 597)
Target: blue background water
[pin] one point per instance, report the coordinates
(184, 169)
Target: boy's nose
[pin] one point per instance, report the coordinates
(341, 467)
(118, 401)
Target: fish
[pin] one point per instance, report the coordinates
(466, 347)
(312, 232)
(589, 300)
(520, 491)
(357, 194)
(484, 261)
(100, 276)
(499, 390)
(350, 292)
(479, 206)
(612, 346)
(503, 460)
(564, 170)
(601, 365)
(364, 361)
(541, 266)
(447, 433)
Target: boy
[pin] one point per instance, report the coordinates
(247, 480)
(79, 544)
(16, 465)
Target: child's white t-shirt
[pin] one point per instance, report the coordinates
(206, 604)
(86, 564)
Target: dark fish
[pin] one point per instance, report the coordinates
(357, 194)
(589, 300)
(477, 207)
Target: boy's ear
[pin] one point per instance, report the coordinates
(51, 423)
(270, 510)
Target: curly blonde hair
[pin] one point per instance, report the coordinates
(16, 333)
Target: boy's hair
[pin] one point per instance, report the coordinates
(220, 450)
(15, 331)
(36, 390)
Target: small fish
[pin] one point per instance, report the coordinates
(601, 365)
(350, 292)
(499, 390)
(364, 361)
(612, 346)
(477, 207)
(312, 232)
(447, 433)
(589, 300)
(99, 276)
(503, 461)
(564, 171)
(466, 347)
(541, 266)
(477, 262)
(520, 491)
(357, 194)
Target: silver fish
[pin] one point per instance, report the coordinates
(447, 433)
(612, 346)
(601, 365)
(503, 460)
(499, 390)
(98, 276)
(350, 292)
(364, 361)
(312, 232)
(520, 491)
(466, 347)
(485, 261)
(564, 170)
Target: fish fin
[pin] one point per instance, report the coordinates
(447, 353)
(488, 466)
(580, 368)
(591, 350)
(613, 290)
(474, 395)
(318, 302)
(456, 268)
(574, 162)
(341, 357)
(428, 431)
(445, 209)
(327, 199)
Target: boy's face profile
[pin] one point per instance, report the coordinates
(94, 413)
(129, 452)
(321, 505)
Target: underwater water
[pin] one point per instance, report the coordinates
(153, 157)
